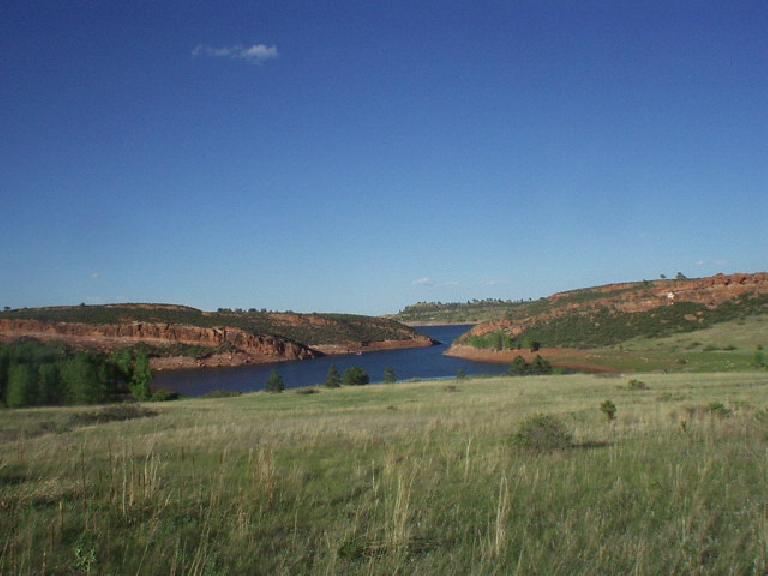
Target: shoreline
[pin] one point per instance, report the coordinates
(569, 358)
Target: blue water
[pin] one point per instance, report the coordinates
(407, 364)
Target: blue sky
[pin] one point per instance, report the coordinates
(361, 156)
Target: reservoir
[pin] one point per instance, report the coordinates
(414, 363)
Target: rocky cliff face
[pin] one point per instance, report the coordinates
(637, 297)
(241, 347)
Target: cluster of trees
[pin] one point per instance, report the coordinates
(353, 376)
(520, 367)
(499, 340)
(33, 374)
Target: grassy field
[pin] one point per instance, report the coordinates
(414, 478)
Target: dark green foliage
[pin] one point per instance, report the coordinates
(275, 382)
(609, 409)
(389, 376)
(49, 374)
(48, 389)
(141, 378)
(22, 386)
(333, 379)
(520, 367)
(355, 377)
(636, 384)
(80, 378)
(461, 374)
(541, 433)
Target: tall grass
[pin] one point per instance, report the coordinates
(397, 480)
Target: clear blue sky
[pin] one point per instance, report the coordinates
(361, 156)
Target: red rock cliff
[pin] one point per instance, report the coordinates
(638, 297)
(244, 347)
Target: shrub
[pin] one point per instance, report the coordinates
(718, 409)
(304, 391)
(389, 376)
(609, 409)
(636, 384)
(355, 377)
(116, 413)
(541, 433)
(163, 395)
(275, 382)
(219, 394)
(333, 379)
(461, 374)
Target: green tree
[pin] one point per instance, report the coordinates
(80, 379)
(518, 366)
(141, 378)
(389, 376)
(48, 384)
(333, 379)
(22, 386)
(123, 360)
(461, 374)
(275, 382)
(355, 377)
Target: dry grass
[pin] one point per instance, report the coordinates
(397, 479)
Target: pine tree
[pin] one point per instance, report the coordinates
(275, 382)
(333, 380)
(389, 376)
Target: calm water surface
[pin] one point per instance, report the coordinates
(418, 363)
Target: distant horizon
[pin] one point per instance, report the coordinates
(298, 311)
(361, 157)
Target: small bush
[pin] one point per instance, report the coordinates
(542, 433)
(222, 394)
(636, 384)
(718, 409)
(116, 413)
(729, 347)
(307, 391)
(710, 348)
(355, 377)
(163, 395)
(609, 409)
(275, 382)
(461, 374)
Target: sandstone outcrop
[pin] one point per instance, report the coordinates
(241, 347)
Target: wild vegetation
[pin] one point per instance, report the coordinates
(412, 478)
(33, 373)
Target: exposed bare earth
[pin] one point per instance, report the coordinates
(571, 358)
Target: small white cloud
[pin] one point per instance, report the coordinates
(451, 283)
(700, 263)
(95, 275)
(254, 53)
(425, 281)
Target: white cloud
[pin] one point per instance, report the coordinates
(254, 53)
(425, 281)
(95, 275)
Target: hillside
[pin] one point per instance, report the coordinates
(613, 314)
(179, 336)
